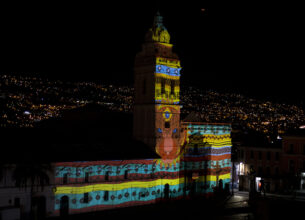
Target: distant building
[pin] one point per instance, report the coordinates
(280, 165)
(166, 159)
(293, 158)
(265, 163)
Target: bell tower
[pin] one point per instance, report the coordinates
(157, 90)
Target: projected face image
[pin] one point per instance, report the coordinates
(167, 121)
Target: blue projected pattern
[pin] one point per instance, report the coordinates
(167, 114)
(168, 70)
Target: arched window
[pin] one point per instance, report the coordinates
(64, 206)
(106, 195)
(167, 124)
(65, 178)
(17, 202)
(86, 177)
(86, 197)
(107, 176)
(162, 86)
(144, 86)
(172, 87)
(126, 175)
(166, 191)
(195, 149)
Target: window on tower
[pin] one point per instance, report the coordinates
(162, 86)
(172, 87)
(144, 86)
(167, 124)
(196, 149)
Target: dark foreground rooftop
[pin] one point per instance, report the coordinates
(84, 134)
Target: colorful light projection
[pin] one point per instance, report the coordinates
(99, 185)
(174, 63)
(167, 73)
(168, 139)
(158, 32)
(144, 184)
(162, 70)
(207, 150)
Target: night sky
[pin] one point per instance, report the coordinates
(251, 47)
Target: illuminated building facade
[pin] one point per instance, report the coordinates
(157, 90)
(194, 158)
(203, 164)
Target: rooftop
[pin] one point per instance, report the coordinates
(84, 134)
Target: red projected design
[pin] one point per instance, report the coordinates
(167, 121)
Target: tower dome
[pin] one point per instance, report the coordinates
(158, 33)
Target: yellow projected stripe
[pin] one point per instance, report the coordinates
(167, 76)
(122, 186)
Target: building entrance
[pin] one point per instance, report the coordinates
(64, 206)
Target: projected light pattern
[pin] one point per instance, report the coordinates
(108, 195)
(170, 62)
(168, 70)
(207, 149)
(167, 119)
(167, 88)
(91, 186)
(195, 158)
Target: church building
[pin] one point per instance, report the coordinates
(192, 158)
(106, 160)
